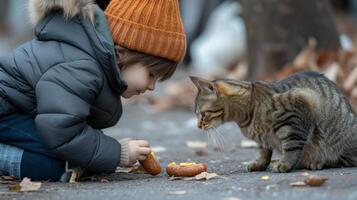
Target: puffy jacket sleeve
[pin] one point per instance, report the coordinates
(64, 96)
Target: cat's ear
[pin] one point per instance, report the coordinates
(228, 88)
(204, 85)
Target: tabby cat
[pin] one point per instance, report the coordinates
(305, 117)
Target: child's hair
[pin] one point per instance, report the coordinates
(158, 66)
(103, 4)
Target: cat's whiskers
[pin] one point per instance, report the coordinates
(212, 137)
(217, 139)
(220, 137)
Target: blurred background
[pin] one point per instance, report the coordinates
(242, 40)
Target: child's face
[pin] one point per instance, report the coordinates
(139, 79)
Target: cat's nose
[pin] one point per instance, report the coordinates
(201, 125)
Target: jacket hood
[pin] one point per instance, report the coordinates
(92, 38)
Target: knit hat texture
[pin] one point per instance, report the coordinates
(153, 27)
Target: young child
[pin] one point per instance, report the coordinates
(59, 90)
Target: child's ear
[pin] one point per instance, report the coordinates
(204, 85)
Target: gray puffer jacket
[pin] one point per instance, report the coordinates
(68, 79)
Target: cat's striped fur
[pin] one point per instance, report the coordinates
(305, 117)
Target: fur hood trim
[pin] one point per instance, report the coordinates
(39, 9)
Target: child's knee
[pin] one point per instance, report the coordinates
(41, 167)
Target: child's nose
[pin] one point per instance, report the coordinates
(151, 86)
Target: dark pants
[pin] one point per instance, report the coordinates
(37, 163)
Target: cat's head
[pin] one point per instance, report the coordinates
(212, 100)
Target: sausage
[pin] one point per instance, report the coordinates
(185, 169)
(151, 165)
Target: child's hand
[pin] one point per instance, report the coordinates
(138, 150)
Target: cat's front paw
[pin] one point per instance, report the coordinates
(314, 165)
(256, 166)
(281, 167)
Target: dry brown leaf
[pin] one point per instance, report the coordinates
(315, 180)
(15, 188)
(76, 174)
(298, 184)
(202, 176)
(205, 176)
(104, 180)
(138, 170)
(8, 178)
(124, 169)
(174, 178)
(26, 185)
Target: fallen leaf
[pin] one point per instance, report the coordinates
(265, 178)
(26, 185)
(15, 188)
(315, 181)
(138, 170)
(174, 178)
(103, 180)
(124, 169)
(199, 177)
(205, 176)
(7, 182)
(76, 174)
(298, 184)
(248, 144)
(178, 192)
(196, 144)
(8, 178)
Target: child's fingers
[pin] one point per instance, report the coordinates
(143, 143)
(144, 151)
(141, 157)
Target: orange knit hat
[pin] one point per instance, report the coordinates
(149, 26)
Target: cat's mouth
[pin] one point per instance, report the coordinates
(207, 127)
